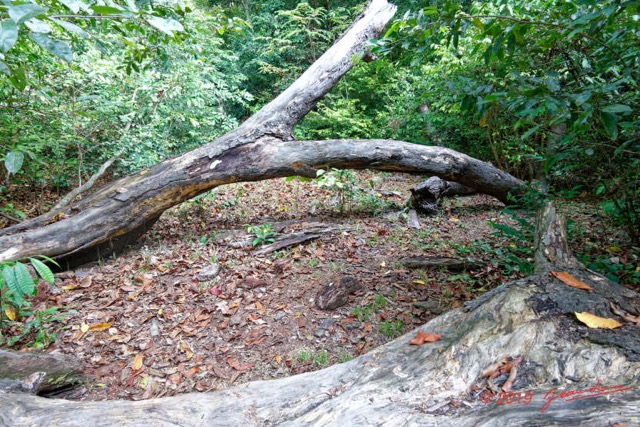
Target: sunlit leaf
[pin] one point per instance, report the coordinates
(84, 327)
(42, 269)
(166, 25)
(422, 337)
(109, 11)
(22, 12)
(11, 313)
(13, 161)
(73, 28)
(593, 321)
(38, 26)
(56, 47)
(8, 35)
(75, 5)
(98, 327)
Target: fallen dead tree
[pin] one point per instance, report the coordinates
(568, 374)
(105, 222)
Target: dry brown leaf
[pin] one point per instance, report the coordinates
(494, 370)
(137, 362)
(237, 365)
(278, 359)
(191, 372)
(568, 279)
(506, 387)
(99, 327)
(86, 281)
(593, 321)
(422, 337)
(626, 316)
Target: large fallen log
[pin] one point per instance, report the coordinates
(103, 223)
(568, 374)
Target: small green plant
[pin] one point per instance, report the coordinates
(304, 356)
(207, 237)
(340, 182)
(364, 313)
(16, 286)
(321, 358)
(344, 357)
(391, 329)
(264, 234)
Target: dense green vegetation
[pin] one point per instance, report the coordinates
(539, 88)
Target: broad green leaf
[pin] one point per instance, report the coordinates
(56, 47)
(18, 79)
(583, 97)
(38, 26)
(8, 35)
(478, 23)
(617, 108)
(19, 281)
(25, 281)
(110, 11)
(610, 122)
(75, 5)
(13, 161)
(22, 12)
(43, 270)
(430, 10)
(167, 26)
(73, 28)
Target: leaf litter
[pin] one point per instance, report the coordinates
(149, 324)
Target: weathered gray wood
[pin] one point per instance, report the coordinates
(61, 371)
(291, 239)
(427, 195)
(105, 222)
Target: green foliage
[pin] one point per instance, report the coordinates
(364, 312)
(516, 256)
(614, 269)
(341, 182)
(17, 286)
(71, 120)
(28, 28)
(391, 328)
(553, 85)
(264, 234)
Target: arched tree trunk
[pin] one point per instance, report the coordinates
(261, 148)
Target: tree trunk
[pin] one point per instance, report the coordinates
(568, 374)
(106, 221)
(531, 321)
(427, 195)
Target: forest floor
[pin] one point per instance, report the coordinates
(158, 321)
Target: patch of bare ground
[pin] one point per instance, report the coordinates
(194, 307)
